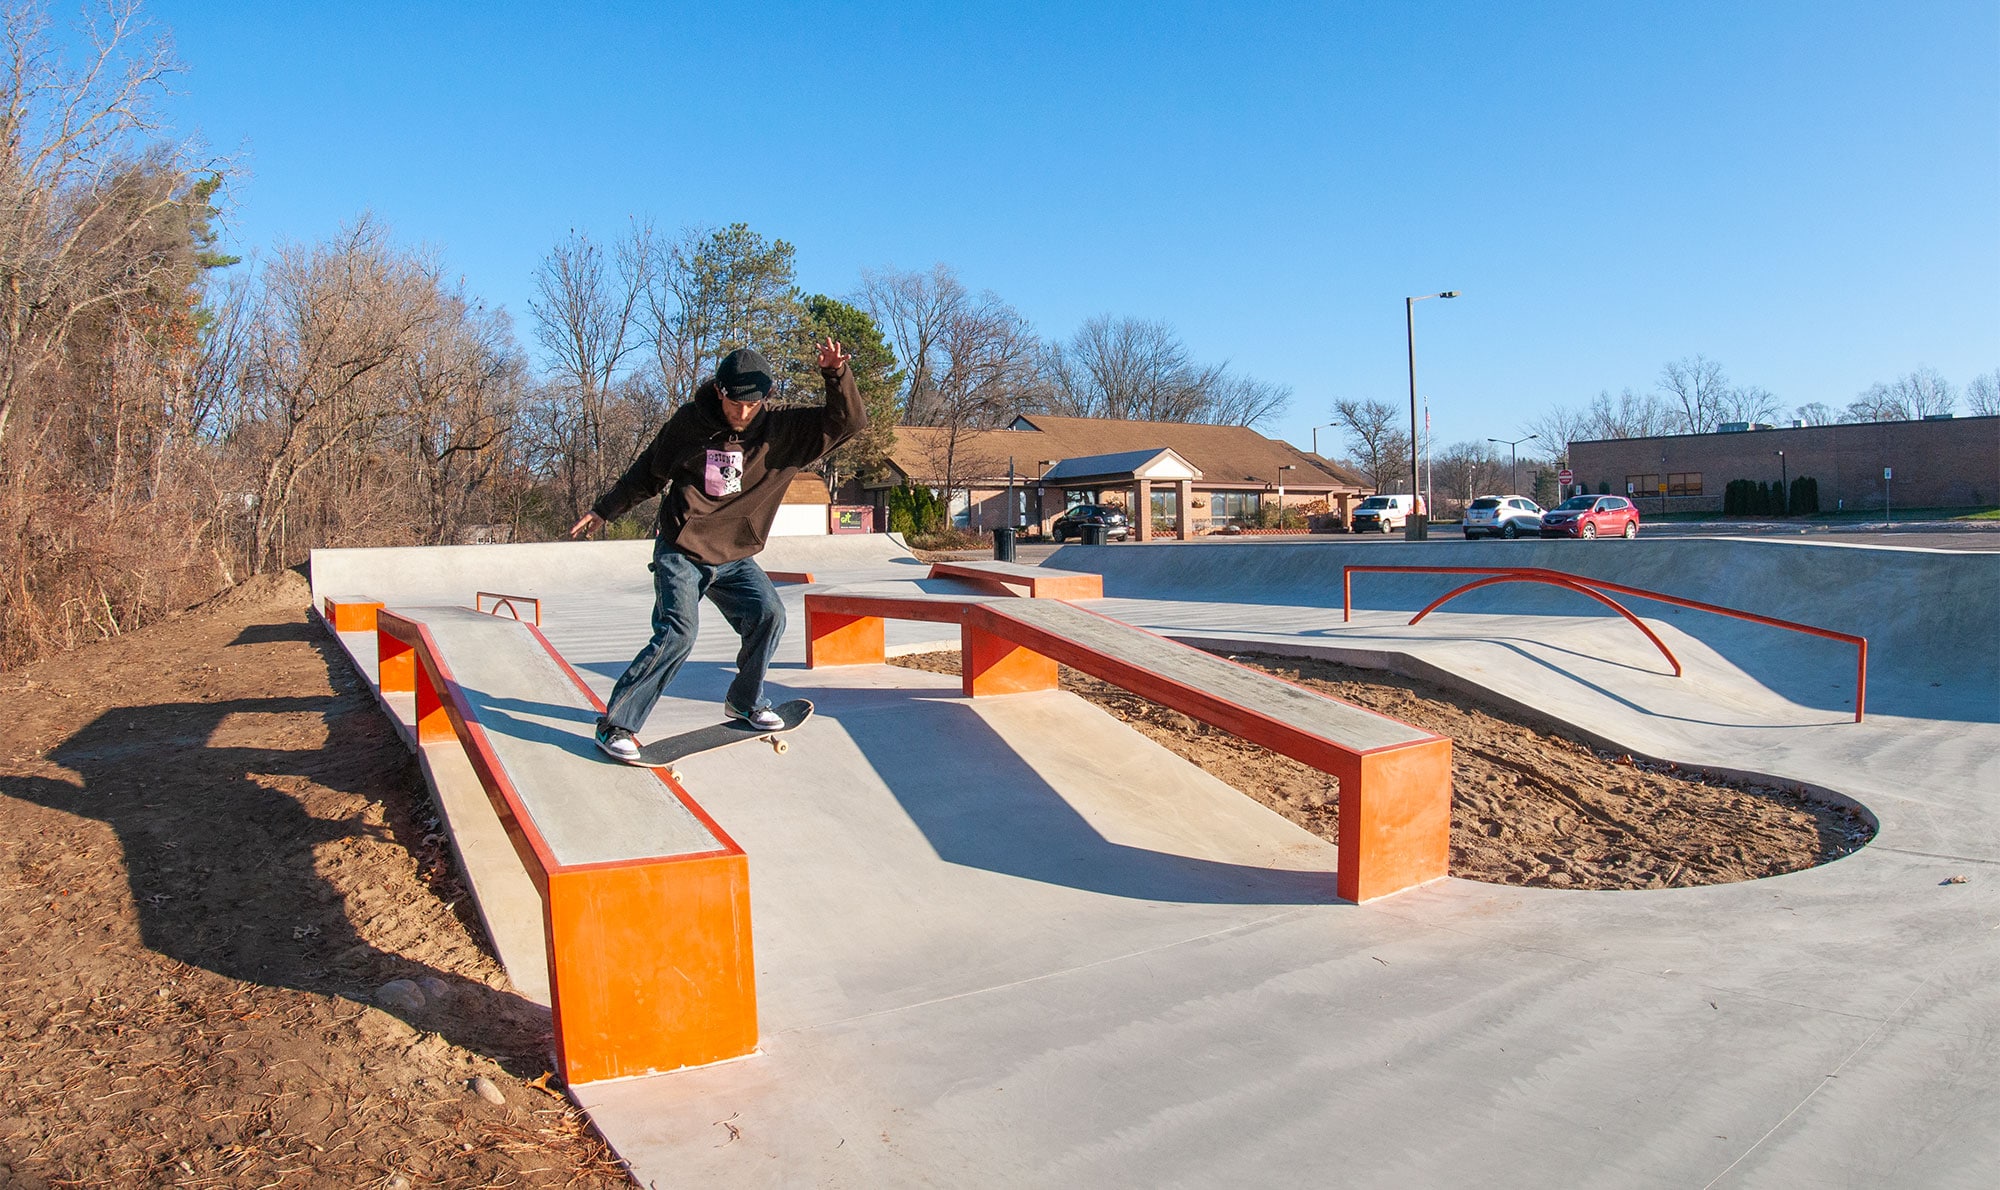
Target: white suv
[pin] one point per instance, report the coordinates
(1502, 516)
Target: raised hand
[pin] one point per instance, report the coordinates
(584, 527)
(832, 357)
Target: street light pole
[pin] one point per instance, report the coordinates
(1513, 460)
(1315, 433)
(1416, 528)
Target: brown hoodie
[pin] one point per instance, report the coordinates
(724, 487)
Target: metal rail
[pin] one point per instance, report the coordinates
(479, 599)
(1579, 588)
(1593, 587)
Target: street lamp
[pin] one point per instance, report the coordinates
(1282, 468)
(1513, 462)
(1784, 485)
(1416, 528)
(1315, 433)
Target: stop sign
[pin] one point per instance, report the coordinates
(1565, 477)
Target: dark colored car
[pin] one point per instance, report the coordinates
(1070, 524)
(1592, 516)
(1502, 516)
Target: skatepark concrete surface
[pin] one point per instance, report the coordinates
(1010, 942)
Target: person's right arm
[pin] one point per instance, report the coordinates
(644, 479)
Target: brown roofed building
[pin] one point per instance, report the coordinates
(1223, 476)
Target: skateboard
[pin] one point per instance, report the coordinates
(663, 753)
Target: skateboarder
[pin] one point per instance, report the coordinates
(724, 462)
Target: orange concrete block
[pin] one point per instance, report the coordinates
(990, 664)
(1395, 820)
(836, 639)
(433, 720)
(351, 615)
(650, 966)
(395, 663)
(1068, 586)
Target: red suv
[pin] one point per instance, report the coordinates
(1592, 516)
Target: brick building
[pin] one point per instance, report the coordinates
(1942, 463)
(1174, 478)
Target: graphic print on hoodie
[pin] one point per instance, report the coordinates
(723, 476)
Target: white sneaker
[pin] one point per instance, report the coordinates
(617, 743)
(763, 718)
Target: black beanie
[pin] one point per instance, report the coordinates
(742, 372)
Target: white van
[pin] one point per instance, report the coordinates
(1383, 514)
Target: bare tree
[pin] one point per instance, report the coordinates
(1378, 448)
(913, 310)
(1245, 401)
(583, 309)
(1748, 404)
(1561, 425)
(1982, 394)
(1816, 413)
(982, 362)
(333, 317)
(1465, 470)
(1697, 389)
(1139, 370)
(83, 186)
(1125, 368)
(1916, 395)
(461, 386)
(1632, 415)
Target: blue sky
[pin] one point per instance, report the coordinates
(1807, 192)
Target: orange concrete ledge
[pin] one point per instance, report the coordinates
(650, 960)
(1010, 578)
(351, 615)
(789, 576)
(1395, 800)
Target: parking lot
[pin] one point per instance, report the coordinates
(1975, 536)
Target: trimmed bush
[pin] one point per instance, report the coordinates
(1803, 499)
(914, 511)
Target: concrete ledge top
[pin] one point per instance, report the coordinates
(1305, 709)
(538, 724)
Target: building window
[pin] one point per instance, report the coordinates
(1684, 483)
(1642, 485)
(1233, 506)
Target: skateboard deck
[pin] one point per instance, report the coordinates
(663, 753)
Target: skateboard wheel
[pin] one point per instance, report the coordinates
(675, 774)
(779, 746)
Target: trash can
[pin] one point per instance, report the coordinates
(1003, 544)
(1093, 534)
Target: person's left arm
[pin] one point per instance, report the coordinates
(814, 432)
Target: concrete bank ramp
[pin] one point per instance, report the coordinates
(1929, 615)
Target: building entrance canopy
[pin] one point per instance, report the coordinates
(1139, 471)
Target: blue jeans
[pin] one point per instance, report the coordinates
(746, 598)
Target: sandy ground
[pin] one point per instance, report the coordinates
(1529, 806)
(214, 853)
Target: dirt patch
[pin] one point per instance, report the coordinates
(213, 853)
(1530, 806)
